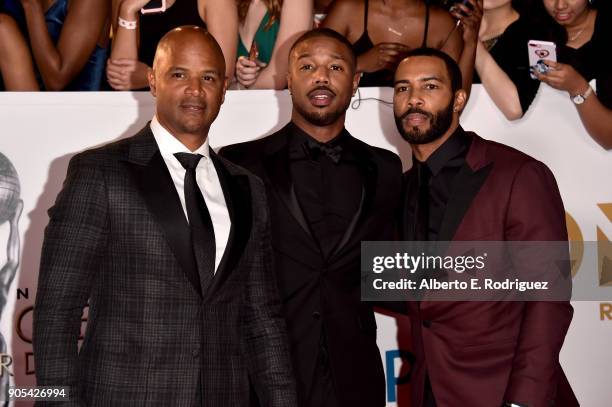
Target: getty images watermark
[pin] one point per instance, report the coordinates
(466, 271)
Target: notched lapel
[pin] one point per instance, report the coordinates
(150, 174)
(369, 176)
(237, 193)
(277, 169)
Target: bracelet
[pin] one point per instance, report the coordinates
(128, 25)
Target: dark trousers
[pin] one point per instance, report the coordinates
(322, 393)
(428, 397)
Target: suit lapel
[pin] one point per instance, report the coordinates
(466, 185)
(276, 164)
(369, 175)
(237, 193)
(150, 174)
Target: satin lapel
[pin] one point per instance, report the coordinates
(369, 175)
(467, 183)
(277, 169)
(159, 194)
(237, 193)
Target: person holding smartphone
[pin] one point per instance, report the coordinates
(582, 30)
(137, 34)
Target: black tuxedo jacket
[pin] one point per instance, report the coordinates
(156, 336)
(324, 295)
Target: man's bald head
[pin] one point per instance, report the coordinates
(188, 36)
(188, 82)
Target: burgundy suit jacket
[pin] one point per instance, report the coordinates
(480, 354)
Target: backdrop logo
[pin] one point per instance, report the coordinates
(605, 311)
(11, 206)
(604, 246)
(604, 250)
(405, 362)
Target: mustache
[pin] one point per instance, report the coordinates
(322, 88)
(415, 110)
(193, 102)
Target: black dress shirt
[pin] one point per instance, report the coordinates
(329, 193)
(443, 165)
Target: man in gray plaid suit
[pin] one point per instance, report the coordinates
(170, 245)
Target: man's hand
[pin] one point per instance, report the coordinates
(126, 74)
(385, 55)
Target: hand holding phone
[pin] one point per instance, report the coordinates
(154, 6)
(538, 52)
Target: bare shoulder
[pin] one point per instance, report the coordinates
(345, 16)
(441, 18)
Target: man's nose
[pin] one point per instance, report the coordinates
(321, 76)
(194, 86)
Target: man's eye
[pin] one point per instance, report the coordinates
(178, 75)
(306, 67)
(208, 78)
(430, 86)
(401, 89)
(336, 68)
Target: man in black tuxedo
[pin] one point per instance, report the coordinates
(327, 192)
(170, 244)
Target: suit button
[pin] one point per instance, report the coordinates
(316, 315)
(195, 353)
(426, 323)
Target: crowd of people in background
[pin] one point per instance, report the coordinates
(91, 45)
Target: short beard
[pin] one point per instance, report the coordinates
(319, 118)
(440, 123)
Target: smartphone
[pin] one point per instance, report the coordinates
(538, 51)
(154, 6)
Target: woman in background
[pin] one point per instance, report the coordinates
(267, 31)
(502, 63)
(582, 30)
(137, 35)
(382, 31)
(53, 44)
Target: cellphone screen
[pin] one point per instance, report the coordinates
(153, 5)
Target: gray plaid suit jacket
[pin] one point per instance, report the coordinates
(118, 237)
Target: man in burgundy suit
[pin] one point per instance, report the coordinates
(465, 188)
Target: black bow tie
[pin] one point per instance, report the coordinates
(314, 148)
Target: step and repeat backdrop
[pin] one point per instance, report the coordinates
(40, 132)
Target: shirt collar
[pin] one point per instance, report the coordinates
(451, 153)
(169, 145)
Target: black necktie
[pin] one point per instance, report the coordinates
(202, 231)
(422, 210)
(333, 152)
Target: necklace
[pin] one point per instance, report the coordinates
(575, 37)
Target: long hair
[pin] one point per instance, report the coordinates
(274, 8)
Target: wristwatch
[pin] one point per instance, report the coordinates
(581, 97)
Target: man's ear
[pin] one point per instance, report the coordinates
(356, 79)
(460, 100)
(225, 85)
(151, 79)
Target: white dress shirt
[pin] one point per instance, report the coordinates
(206, 177)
